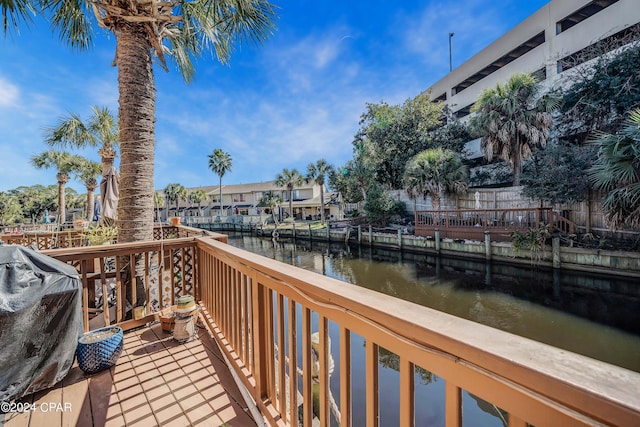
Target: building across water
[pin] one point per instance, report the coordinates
(244, 199)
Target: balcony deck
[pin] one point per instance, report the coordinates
(157, 381)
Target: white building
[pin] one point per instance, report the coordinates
(550, 42)
(243, 199)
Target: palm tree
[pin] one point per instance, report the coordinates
(270, 200)
(198, 196)
(174, 193)
(435, 172)
(158, 201)
(289, 179)
(318, 173)
(513, 121)
(100, 131)
(65, 164)
(220, 163)
(87, 171)
(617, 170)
(144, 32)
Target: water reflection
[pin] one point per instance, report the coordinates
(597, 316)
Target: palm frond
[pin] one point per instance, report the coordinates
(14, 11)
(72, 20)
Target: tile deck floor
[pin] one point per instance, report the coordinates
(156, 382)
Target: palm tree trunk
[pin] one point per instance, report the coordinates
(137, 139)
(220, 186)
(517, 163)
(322, 202)
(90, 201)
(62, 209)
(291, 203)
(137, 134)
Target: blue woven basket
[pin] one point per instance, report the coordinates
(99, 349)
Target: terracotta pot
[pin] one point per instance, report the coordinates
(175, 221)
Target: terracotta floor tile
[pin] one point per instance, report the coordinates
(125, 383)
(163, 402)
(183, 392)
(179, 421)
(140, 419)
(168, 414)
(130, 391)
(200, 412)
(133, 402)
(115, 422)
(174, 375)
(157, 392)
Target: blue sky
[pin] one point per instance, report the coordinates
(294, 100)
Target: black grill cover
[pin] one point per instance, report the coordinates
(40, 320)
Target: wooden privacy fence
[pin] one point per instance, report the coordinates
(262, 311)
(472, 223)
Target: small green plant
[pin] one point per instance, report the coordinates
(100, 235)
(533, 240)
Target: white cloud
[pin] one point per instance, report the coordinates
(9, 93)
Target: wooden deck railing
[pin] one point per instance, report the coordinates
(472, 223)
(72, 238)
(106, 272)
(262, 312)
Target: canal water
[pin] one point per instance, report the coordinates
(594, 315)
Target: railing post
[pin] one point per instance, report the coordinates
(328, 233)
(259, 336)
(555, 249)
(437, 237)
(294, 231)
(359, 234)
(399, 239)
(310, 236)
(370, 236)
(487, 244)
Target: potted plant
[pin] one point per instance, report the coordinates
(101, 235)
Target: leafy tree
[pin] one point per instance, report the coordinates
(435, 172)
(65, 164)
(343, 180)
(617, 170)
(198, 196)
(145, 31)
(453, 135)
(513, 121)
(380, 206)
(35, 199)
(101, 130)
(87, 171)
(318, 172)
(356, 176)
(10, 209)
(601, 95)
(220, 163)
(174, 193)
(558, 173)
(391, 135)
(289, 179)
